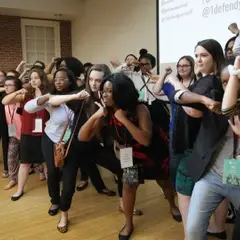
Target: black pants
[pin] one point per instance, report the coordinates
(92, 172)
(5, 140)
(236, 231)
(84, 175)
(94, 154)
(68, 175)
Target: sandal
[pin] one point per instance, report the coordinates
(63, 229)
(136, 212)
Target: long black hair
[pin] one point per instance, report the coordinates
(124, 93)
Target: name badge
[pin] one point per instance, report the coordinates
(141, 95)
(149, 101)
(12, 130)
(231, 173)
(38, 126)
(126, 158)
(67, 135)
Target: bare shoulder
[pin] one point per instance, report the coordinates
(142, 108)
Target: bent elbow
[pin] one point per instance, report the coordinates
(146, 140)
(82, 137)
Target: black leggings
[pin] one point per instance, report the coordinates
(68, 175)
(94, 154)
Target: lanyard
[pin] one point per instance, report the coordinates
(235, 145)
(145, 83)
(11, 114)
(67, 113)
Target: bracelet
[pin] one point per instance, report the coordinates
(178, 95)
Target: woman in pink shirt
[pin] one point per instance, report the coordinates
(14, 123)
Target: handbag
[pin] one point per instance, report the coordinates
(61, 149)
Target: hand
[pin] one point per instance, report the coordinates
(120, 115)
(21, 91)
(211, 104)
(133, 62)
(55, 59)
(115, 62)
(101, 112)
(168, 70)
(152, 76)
(236, 125)
(22, 63)
(233, 28)
(82, 95)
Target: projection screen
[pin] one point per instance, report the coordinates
(182, 23)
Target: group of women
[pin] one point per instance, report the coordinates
(117, 121)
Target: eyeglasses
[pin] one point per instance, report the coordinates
(183, 66)
(9, 85)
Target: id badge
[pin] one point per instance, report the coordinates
(126, 157)
(141, 95)
(149, 101)
(12, 130)
(231, 173)
(67, 135)
(38, 125)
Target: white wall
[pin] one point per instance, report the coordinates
(111, 28)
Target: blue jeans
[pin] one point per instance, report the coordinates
(207, 194)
